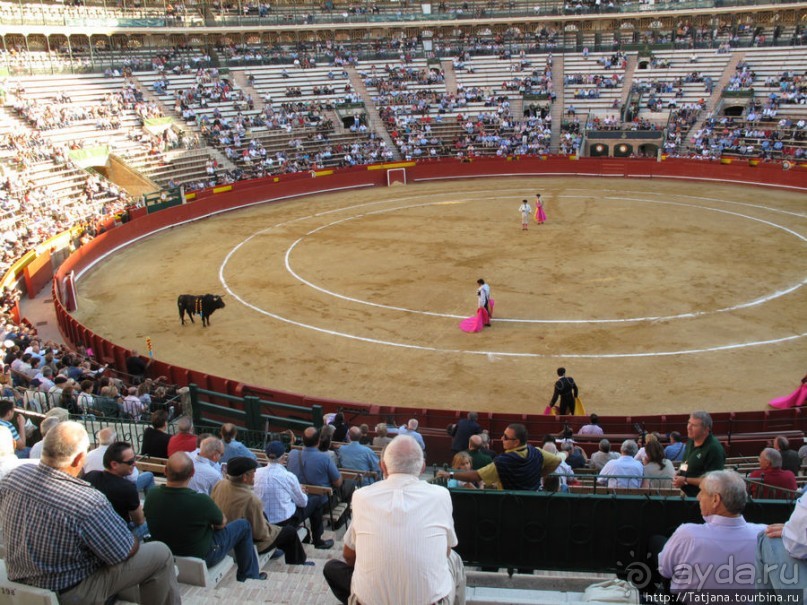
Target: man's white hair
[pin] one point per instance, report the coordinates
(403, 455)
(629, 448)
(106, 436)
(731, 487)
(63, 443)
(773, 456)
(211, 446)
(48, 423)
(412, 425)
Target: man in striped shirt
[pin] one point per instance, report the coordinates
(63, 535)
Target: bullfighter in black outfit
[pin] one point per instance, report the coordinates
(566, 390)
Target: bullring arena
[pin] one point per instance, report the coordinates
(658, 296)
(343, 173)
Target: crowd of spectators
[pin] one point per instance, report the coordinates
(415, 110)
(743, 78)
(32, 212)
(680, 123)
(40, 376)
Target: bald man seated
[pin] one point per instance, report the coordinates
(192, 525)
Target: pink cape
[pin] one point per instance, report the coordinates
(795, 399)
(475, 323)
(540, 215)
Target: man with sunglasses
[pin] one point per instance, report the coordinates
(521, 467)
(119, 463)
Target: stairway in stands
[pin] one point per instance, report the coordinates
(714, 99)
(450, 75)
(374, 121)
(241, 80)
(630, 69)
(557, 105)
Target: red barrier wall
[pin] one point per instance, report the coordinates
(37, 274)
(277, 189)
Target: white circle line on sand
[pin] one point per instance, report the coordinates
(691, 197)
(690, 315)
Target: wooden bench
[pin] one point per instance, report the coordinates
(151, 464)
(260, 455)
(358, 475)
(649, 491)
(336, 515)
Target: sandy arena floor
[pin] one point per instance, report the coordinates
(658, 296)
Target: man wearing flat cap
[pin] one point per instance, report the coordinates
(234, 496)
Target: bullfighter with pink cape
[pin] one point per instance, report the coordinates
(484, 310)
(796, 399)
(540, 215)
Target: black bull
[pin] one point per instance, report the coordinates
(203, 305)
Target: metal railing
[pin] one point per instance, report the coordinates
(314, 14)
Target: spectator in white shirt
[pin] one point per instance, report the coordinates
(8, 459)
(625, 470)
(717, 554)
(405, 524)
(132, 406)
(564, 471)
(95, 458)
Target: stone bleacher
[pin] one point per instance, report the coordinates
(299, 128)
(282, 132)
(324, 85)
(84, 93)
(84, 13)
(774, 123)
(673, 78)
(600, 91)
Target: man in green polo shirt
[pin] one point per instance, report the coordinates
(703, 453)
(192, 525)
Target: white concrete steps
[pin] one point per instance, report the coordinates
(450, 74)
(374, 121)
(630, 70)
(538, 588)
(557, 107)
